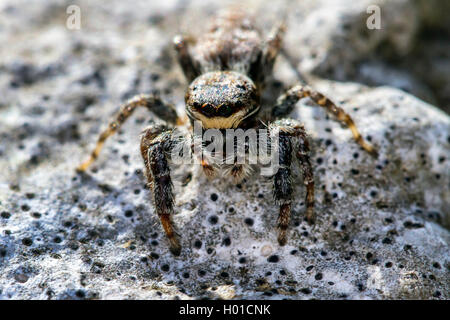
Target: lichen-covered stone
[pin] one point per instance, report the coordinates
(382, 229)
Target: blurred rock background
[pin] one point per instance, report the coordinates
(382, 229)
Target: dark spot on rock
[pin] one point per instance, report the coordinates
(80, 294)
(25, 207)
(318, 276)
(273, 259)
(242, 260)
(154, 255)
(73, 245)
(305, 290)
(36, 215)
(214, 197)
(5, 215)
(388, 264)
(213, 220)
(197, 244)
(249, 221)
(226, 242)
(411, 225)
(27, 242)
(165, 267)
(436, 265)
(128, 213)
(437, 294)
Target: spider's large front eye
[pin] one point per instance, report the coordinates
(225, 111)
(208, 110)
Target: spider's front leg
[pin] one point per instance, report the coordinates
(185, 60)
(291, 141)
(157, 143)
(286, 103)
(151, 102)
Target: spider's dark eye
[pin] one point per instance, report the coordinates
(197, 105)
(225, 111)
(208, 110)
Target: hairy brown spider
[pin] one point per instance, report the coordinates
(228, 67)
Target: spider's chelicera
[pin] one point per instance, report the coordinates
(227, 68)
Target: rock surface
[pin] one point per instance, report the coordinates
(383, 224)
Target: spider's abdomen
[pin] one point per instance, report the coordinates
(232, 43)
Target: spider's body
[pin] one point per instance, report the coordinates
(227, 69)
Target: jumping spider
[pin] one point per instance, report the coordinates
(228, 67)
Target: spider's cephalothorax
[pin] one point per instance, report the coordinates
(222, 99)
(227, 68)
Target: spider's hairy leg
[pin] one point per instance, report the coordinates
(302, 154)
(262, 67)
(286, 103)
(181, 45)
(292, 140)
(274, 43)
(156, 143)
(282, 183)
(152, 102)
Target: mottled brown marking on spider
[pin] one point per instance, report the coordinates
(227, 68)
